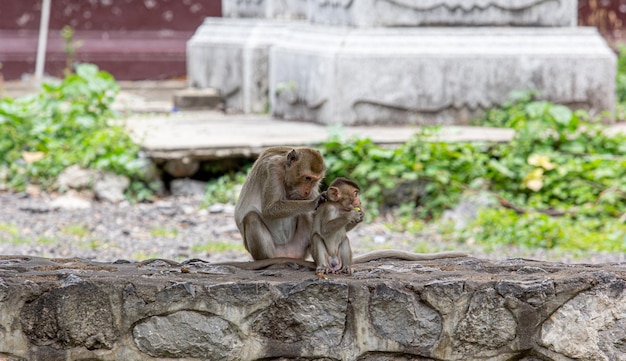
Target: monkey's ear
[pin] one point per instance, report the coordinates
(333, 194)
(293, 156)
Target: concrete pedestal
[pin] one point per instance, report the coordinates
(429, 76)
(381, 66)
(231, 55)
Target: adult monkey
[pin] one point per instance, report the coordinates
(274, 212)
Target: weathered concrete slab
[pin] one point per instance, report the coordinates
(447, 310)
(214, 135)
(370, 13)
(431, 76)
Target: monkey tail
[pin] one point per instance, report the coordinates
(406, 256)
(264, 263)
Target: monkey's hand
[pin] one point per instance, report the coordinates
(322, 198)
(356, 215)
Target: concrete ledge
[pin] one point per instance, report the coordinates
(451, 309)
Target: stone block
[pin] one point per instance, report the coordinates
(430, 76)
(230, 55)
(371, 13)
(192, 98)
(269, 9)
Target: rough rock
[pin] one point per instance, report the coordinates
(75, 177)
(187, 187)
(69, 202)
(445, 310)
(110, 187)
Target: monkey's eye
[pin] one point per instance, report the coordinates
(308, 179)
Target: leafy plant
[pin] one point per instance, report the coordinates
(224, 189)
(434, 173)
(67, 123)
(560, 172)
(70, 47)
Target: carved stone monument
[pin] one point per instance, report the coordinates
(400, 61)
(371, 13)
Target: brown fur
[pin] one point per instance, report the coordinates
(330, 245)
(274, 212)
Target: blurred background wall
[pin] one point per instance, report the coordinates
(145, 39)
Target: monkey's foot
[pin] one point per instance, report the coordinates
(322, 270)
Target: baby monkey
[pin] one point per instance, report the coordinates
(330, 246)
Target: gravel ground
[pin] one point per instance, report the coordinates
(179, 228)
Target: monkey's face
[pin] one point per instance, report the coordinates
(350, 199)
(302, 186)
(303, 173)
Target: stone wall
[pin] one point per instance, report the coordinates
(451, 309)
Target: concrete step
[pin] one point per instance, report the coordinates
(197, 99)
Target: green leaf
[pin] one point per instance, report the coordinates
(574, 147)
(561, 114)
(501, 168)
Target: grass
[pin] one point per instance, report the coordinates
(8, 230)
(217, 247)
(142, 256)
(77, 230)
(163, 232)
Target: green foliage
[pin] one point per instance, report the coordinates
(67, 34)
(67, 123)
(495, 227)
(224, 189)
(559, 162)
(621, 76)
(438, 172)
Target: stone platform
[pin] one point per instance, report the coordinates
(449, 309)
